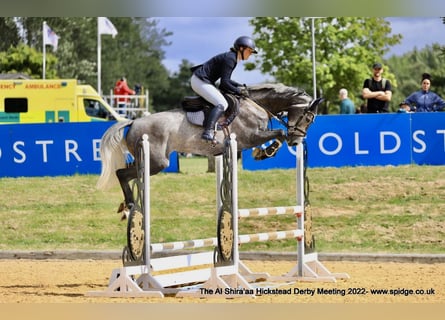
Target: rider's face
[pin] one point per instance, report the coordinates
(245, 53)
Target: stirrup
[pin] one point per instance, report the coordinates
(207, 135)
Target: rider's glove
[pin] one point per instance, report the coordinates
(244, 92)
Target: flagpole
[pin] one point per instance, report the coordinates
(44, 49)
(104, 26)
(99, 49)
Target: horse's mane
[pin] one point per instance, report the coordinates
(274, 91)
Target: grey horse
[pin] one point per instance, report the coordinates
(171, 130)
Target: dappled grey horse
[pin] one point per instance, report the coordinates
(171, 130)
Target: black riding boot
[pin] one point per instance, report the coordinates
(214, 115)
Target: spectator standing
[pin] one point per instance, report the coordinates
(425, 100)
(377, 91)
(121, 89)
(346, 104)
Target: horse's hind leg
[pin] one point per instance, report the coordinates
(159, 160)
(125, 175)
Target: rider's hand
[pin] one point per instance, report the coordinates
(244, 92)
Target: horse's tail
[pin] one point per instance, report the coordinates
(113, 154)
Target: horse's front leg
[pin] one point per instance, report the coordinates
(278, 136)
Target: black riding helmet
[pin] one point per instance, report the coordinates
(245, 41)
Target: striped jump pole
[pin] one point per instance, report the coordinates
(212, 242)
(261, 212)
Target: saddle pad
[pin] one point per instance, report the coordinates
(196, 118)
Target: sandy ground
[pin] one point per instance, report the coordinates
(69, 281)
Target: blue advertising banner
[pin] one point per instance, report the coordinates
(365, 140)
(52, 149)
(359, 140)
(428, 138)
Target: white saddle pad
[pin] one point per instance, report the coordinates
(196, 118)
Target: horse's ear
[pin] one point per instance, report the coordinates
(313, 106)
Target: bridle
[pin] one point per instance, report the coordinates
(302, 124)
(306, 117)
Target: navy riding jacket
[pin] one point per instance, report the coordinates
(220, 67)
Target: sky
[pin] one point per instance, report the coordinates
(198, 39)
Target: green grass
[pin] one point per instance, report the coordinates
(363, 209)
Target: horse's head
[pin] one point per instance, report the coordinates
(295, 103)
(299, 120)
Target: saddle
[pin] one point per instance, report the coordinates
(197, 109)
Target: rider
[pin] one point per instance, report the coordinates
(221, 66)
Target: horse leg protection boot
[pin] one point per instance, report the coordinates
(214, 115)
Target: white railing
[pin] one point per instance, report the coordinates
(136, 106)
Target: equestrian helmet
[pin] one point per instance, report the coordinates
(245, 41)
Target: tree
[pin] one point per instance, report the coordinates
(179, 87)
(9, 32)
(76, 53)
(136, 52)
(345, 49)
(26, 60)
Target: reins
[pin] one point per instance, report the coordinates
(271, 115)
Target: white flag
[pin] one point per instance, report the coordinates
(50, 37)
(106, 27)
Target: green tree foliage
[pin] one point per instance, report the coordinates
(179, 87)
(136, 52)
(26, 60)
(9, 33)
(345, 48)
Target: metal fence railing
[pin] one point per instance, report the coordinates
(129, 106)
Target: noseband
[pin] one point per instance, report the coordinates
(302, 124)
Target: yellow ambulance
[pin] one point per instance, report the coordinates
(40, 101)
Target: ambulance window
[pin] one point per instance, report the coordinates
(94, 108)
(16, 105)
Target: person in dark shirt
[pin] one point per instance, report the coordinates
(425, 100)
(220, 67)
(377, 91)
